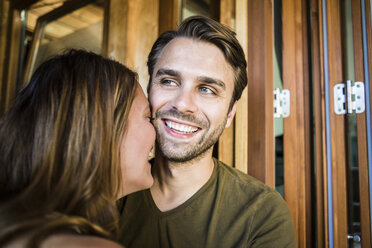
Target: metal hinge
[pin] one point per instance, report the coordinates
(281, 103)
(349, 99)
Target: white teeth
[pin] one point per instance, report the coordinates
(180, 127)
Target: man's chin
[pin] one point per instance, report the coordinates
(182, 155)
(177, 157)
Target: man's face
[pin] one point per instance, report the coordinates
(192, 86)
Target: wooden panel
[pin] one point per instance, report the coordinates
(241, 118)
(260, 92)
(361, 128)
(269, 98)
(318, 88)
(132, 28)
(34, 13)
(115, 34)
(9, 77)
(289, 124)
(214, 9)
(142, 32)
(226, 146)
(324, 153)
(295, 139)
(73, 22)
(227, 13)
(4, 12)
(337, 126)
(369, 41)
(226, 141)
(169, 14)
(306, 174)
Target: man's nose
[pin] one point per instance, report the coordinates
(185, 101)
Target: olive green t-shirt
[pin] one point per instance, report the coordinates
(231, 210)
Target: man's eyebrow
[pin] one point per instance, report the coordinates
(210, 80)
(168, 72)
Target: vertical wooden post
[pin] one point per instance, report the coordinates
(319, 134)
(361, 128)
(115, 30)
(296, 140)
(260, 92)
(9, 54)
(169, 14)
(337, 126)
(132, 28)
(226, 141)
(307, 131)
(4, 12)
(241, 119)
(369, 41)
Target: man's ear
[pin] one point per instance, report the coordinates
(231, 115)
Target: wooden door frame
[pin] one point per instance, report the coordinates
(337, 124)
(10, 50)
(233, 144)
(320, 215)
(226, 143)
(361, 129)
(169, 15)
(260, 137)
(338, 142)
(296, 135)
(131, 30)
(361, 120)
(39, 30)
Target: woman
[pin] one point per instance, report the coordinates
(76, 139)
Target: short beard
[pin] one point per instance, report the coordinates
(196, 152)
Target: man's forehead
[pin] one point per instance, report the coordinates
(179, 44)
(185, 55)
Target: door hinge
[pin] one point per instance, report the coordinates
(349, 99)
(281, 103)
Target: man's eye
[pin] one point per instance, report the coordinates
(206, 90)
(168, 82)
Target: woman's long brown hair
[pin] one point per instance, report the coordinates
(59, 148)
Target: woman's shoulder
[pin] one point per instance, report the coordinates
(72, 241)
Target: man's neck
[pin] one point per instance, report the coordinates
(183, 181)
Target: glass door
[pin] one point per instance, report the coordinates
(344, 42)
(77, 24)
(352, 168)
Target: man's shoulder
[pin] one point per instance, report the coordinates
(271, 218)
(240, 177)
(238, 181)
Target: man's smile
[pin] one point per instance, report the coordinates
(177, 128)
(180, 127)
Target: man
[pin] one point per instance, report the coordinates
(197, 74)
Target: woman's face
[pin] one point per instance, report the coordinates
(136, 145)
